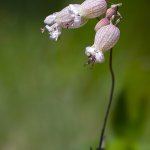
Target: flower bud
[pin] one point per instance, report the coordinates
(101, 23)
(93, 8)
(105, 39)
(111, 12)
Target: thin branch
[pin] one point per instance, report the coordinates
(110, 101)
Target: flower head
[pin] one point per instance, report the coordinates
(67, 18)
(105, 39)
(73, 16)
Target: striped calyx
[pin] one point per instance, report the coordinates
(93, 8)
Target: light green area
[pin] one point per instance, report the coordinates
(49, 101)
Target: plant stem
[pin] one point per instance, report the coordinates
(110, 100)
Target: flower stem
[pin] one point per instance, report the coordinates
(110, 101)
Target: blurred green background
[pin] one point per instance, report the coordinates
(49, 101)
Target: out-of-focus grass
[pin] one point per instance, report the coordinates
(48, 100)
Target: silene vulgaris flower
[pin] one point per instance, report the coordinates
(73, 16)
(105, 39)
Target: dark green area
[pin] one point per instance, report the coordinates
(49, 101)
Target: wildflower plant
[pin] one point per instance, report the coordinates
(107, 35)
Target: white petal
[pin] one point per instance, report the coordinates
(50, 19)
(90, 51)
(99, 57)
(54, 31)
(95, 55)
(55, 35)
(77, 21)
(73, 10)
(49, 29)
(74, 13)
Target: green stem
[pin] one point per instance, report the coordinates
(110, 101)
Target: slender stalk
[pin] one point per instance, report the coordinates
(110, 101)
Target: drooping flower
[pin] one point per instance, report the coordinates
(105, 39)
(67, 18)
(73, 16)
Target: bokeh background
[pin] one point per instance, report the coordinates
(49, 101)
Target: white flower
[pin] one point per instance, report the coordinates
(73, 16)
(105, 39)
(67, 18)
